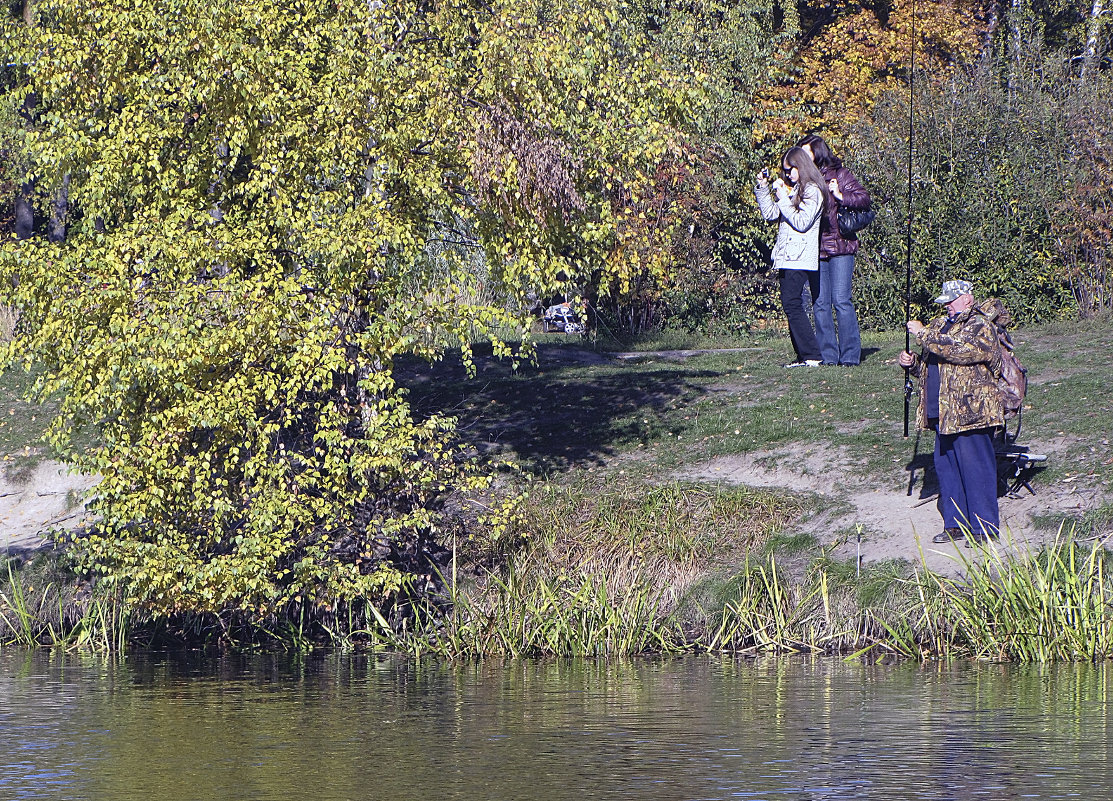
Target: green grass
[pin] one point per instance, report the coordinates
(22, 423)
(790, 543)
(1094, 523)
(662, 414)
(871, 585)
(668, 413)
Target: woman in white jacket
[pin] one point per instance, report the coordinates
(802, 196)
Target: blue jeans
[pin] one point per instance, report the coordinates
(835, 276)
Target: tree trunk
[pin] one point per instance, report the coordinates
(1090, 54)
(25, 211)
(24, 202)
(60, 213)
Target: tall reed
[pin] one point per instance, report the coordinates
(528, 613)
(1052, 606)
(60, 616)
(772, 613)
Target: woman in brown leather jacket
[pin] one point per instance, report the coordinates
(836, 259)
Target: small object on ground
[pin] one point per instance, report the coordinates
(949, 535)
(563, 317)
(805, 363)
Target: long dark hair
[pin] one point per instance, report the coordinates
(821, 152)
(809, 174)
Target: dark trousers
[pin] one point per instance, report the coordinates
(799, 324)
(967, 469)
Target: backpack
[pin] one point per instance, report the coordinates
(1012, 384)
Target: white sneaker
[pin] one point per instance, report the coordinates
(812, 362)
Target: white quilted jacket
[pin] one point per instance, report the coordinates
(797, 245)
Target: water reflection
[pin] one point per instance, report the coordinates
(366, 727)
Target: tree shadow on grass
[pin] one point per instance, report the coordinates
(575, 408)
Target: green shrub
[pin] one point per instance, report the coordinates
(994, 173)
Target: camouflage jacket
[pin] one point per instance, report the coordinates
(969, 357)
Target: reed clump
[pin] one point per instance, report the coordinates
(42, 604)
(530, 612)
(1053, 606)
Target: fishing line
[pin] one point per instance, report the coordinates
(908, 386)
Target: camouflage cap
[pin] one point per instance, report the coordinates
(952, 289)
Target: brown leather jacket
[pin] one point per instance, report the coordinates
(969, 357)
(854, 196)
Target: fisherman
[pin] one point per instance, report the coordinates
(959, 399)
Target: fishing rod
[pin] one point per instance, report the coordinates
(908, 384)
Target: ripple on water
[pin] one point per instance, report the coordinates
(373, 727)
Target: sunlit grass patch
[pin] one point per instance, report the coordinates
(677, 521)
(1094, 523)
(22, 423)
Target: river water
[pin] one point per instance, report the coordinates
(336, 726)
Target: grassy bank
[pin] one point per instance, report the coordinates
(628, 541)
(1053, 605)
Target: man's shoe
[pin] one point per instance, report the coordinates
(948, 535)
(979, 538)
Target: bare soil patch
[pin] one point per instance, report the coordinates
(895, 521)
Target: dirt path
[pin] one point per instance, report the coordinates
(894, 524)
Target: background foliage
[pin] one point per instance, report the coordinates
(993, 194)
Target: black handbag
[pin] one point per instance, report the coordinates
(851, 221)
